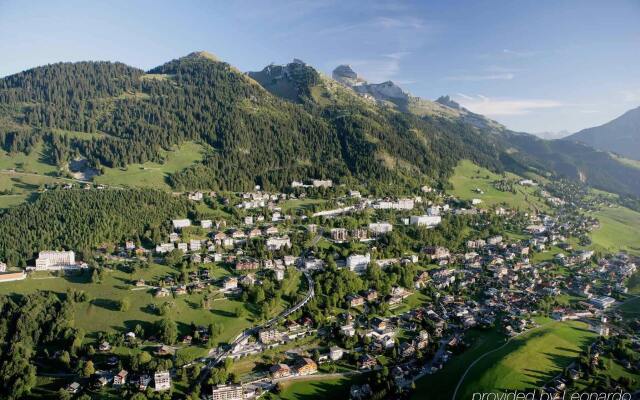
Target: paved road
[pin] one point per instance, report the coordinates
(216, 359)
(436, 357)
(325, 376)
(315, 240)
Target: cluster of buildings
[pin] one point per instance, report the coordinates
(364, 234)
(315, 183)
(486, 281)
(301, 367)
(159, 381)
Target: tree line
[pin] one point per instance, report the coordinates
(81, 220)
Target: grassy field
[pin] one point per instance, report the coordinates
(13, 200)
(634, 283)
(468, 177)
(318, 387)
(522, 363)
(628, 161)
(619, 230)
(631, 309)
(22, 186)
(153, 174)
(546, 255)
(34, 170)
(101, 312)
(22, 183)
(446, 379)
(301, 204)
(417, 299)
(30, 171)
(529, 360)
(212, 213)
(35, 162)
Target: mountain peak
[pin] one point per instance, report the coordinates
(385, 91)
(344, 71)
(291, 81)
(449, 102)
(621, 135)
(203, 54)
(347, 76)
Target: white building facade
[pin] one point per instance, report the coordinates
(55, 260)
(425, 220)
(358, 263)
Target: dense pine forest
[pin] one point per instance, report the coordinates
(117, 115)
(255, 137)
(82, 220)
(28, 324)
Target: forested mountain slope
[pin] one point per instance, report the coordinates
(281, 124)
(255, 137)
(574, 161)
(83, 219)
(518, 152)
(621, 135)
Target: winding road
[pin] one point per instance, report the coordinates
(215, 360)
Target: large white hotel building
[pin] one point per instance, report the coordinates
(55, 260)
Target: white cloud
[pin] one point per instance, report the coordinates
(509, 54)
(464, 96)
(376, 24)
(520, 53)
(399, 22)
(630, 96)
(404, 81)
(397, 55)
(506, 76)
(500, 107)
(381, 69)
(489, 73)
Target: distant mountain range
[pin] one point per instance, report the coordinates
(552, 135)
(621, 136)
(284, 123)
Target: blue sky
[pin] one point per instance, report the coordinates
(532, 65)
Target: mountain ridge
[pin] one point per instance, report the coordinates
(304, 123)
(620, 135)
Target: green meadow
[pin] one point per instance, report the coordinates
(631, 308)
(634, 283)
(35, 162)
(153, 174)
(301, 204)
(521, 363)
(468, 177)
(18, 187)
(78, 135)
(441, 385)
(317, 387)
(101, 312)
(619, 230)
(21, 174)
(529, 360)
(628, 161)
